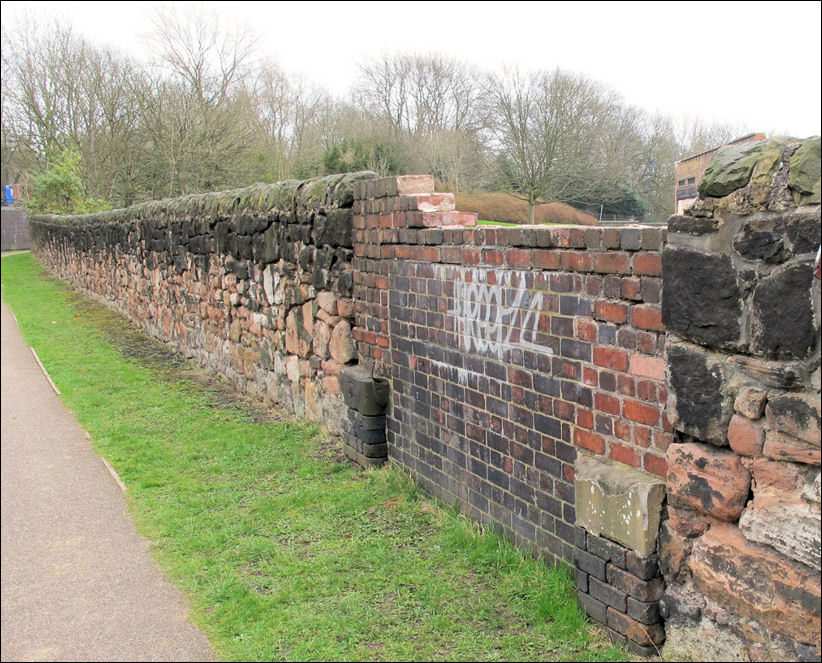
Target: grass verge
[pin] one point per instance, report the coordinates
(284, 551)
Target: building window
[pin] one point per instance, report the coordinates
(691, 180)
(681, 182)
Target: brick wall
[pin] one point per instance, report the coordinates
(509, 349)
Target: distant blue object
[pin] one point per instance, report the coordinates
(9, 194)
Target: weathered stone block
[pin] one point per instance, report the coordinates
(699, 401)
(797, 415)
(785, 523)
(710, 480)
(619, 502)
(782, 310)
(746, 437)
(701, 299)
(341, 345)
(804, 178)
(761, 238)
(363, 393)
(756, 582)
(784, 447)
(751, 402)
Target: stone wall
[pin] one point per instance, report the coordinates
(526, 375)
(256, 284)
(740, 549)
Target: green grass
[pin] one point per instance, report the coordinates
(285, 552)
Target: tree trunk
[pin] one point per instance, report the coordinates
(532, 206)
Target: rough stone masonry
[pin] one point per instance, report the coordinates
(639, 403)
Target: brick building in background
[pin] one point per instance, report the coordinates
(688, 173)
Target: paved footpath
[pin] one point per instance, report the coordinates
(78, 584)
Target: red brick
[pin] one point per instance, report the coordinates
(588, 440)
(590, 376)
(611, 263)
(493, 257)
(586, 330)
(626, 385)
(470, 256)
(746, 437)
(640, 412)
(649, 264)
(647, 391)
(564, 410)
(610, 358)
(611, 312)
(605, 403)
(642, 436)
(518, 258)
(624, 430)
(576, 261)
(647, 318)
(649, 367)
(655, 465)
(623, 454)
(629, 288)
(431, 254)
(542, 259)
(585, 418)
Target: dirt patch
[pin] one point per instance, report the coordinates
(138, 346)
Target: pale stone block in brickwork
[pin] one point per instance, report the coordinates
(618, 502)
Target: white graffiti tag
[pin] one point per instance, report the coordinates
(491, 319)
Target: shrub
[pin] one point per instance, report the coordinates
(502, 207)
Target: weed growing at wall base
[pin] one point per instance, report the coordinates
(285, 551)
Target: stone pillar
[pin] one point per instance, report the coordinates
(740, 548)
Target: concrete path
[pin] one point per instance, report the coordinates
(78, 584)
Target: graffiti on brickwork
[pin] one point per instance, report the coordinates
(492, 318)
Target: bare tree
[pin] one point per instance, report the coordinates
(542, 127)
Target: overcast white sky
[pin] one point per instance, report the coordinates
(755, 65)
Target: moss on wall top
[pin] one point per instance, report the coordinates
(331, 191)
(736, 166)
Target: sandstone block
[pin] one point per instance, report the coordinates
(345, 308)
(341, 344)
(771, 475)
(746, 437)
(618, 502)
(789, 525)
(812, 490)
(707, 479)
(673, 552)
(327, 301)
(751, 402)
(783, 447)
(797, 415)
(322, 337)
(756, 582)
(297, 339)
